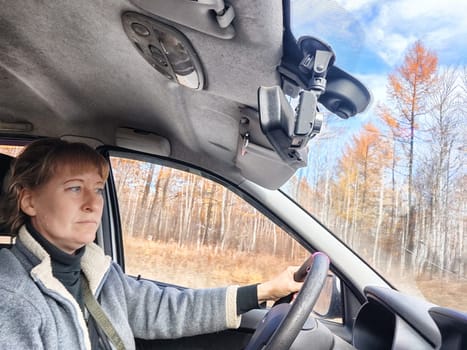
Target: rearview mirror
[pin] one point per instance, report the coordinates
(345, 95)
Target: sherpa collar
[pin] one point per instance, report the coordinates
(94, 263)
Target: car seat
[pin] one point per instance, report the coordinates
(6, 239)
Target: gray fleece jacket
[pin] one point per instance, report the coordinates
(37, 312)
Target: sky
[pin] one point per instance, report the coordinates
(370, 37)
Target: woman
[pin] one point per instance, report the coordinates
(54, 205)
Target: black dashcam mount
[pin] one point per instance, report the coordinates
(287, 130)
(307, 71)
(317, 58)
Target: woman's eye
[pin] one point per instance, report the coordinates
(74, 188)
(100, 191)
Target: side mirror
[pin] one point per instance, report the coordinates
(329, 304)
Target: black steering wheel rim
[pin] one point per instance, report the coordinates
(293, 321)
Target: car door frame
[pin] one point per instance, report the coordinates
(351, 297)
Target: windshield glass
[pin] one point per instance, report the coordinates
(391, 182)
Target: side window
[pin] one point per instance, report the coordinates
(183, 229)
(10, 150)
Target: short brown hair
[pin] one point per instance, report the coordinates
(38, 163)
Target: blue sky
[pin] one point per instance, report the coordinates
(370, 37)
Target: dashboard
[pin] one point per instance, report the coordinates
(391, 320)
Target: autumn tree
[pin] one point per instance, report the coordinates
(361, 185)
(445, 134)
(393, 134)
(409, 88)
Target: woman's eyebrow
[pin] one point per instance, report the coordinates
(99, 182)
(73, 179)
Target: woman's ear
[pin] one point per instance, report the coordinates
(26, 202)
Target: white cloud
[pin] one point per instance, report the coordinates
(392, 26)
(328, 21)
(389, 27)
(356, 5)
(411, 9)
(391, 47)
(377, 84)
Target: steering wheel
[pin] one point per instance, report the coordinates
(279, 328)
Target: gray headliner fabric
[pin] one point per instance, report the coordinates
(69, 68)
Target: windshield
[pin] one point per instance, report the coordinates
(390, 182)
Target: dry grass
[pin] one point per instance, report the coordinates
(203, 267)
(206, 267)
(445, 292)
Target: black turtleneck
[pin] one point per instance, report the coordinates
(65, 267)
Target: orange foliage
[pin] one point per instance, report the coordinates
(419, 64)
(371, 128)
(389, 119)
(410, 83)
(360, 171)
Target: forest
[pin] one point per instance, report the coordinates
(397, 192)
(394, 192)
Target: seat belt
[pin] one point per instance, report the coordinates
(100, 317)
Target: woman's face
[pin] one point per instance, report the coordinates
(67, 209)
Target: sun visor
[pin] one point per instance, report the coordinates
(262, 166)
(142, 141)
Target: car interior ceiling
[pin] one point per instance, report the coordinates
(56, 78)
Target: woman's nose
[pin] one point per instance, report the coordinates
(92, 201)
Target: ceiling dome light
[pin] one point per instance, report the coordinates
(165, 48)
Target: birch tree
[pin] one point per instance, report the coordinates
(409, 86)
